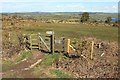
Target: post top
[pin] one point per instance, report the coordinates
(50, 32)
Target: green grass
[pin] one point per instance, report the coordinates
(7, 65)
(72, 31)
(24, 55)
(60, 74)
(44, 68)
(49, 59)
(75, 31)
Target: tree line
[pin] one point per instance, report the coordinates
(86, 17)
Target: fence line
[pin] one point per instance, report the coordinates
(67, 46)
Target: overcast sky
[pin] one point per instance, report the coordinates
(59, 6)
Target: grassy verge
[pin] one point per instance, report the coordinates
(25, 54)
(45, 68)
(7, 65)
(49, 59)
(42, 70)
(60, 74)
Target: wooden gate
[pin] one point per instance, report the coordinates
(43, 42)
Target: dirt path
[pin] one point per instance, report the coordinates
(19, 69)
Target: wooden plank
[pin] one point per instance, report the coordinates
(72, 47)
(33, 65)
(34, 39)
(35, 47)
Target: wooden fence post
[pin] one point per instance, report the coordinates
(92, 49)
(68, 45)
(63, 42)
(30, 42)
(39, 41)
(52, 42)
(24, 41)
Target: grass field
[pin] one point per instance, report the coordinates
(75, 30)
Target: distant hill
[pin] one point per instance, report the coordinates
(64, 15)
